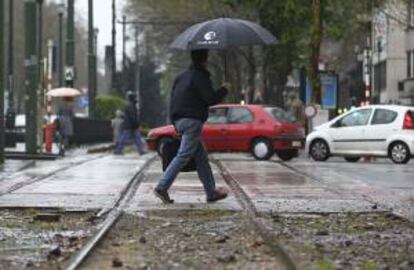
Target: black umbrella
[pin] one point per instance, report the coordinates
(223, 33)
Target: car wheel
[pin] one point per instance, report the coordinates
(399, 153)
(319, 150)
(161, 143)
(261, 149)
(287, 155)
(352, 159)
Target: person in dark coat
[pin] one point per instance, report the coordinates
(191, 96)
(130, 126)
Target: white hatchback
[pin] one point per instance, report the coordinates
(376, 130)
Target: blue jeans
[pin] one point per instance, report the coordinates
(125, 135)
(191, 146)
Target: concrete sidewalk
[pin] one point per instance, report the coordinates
(94, 183)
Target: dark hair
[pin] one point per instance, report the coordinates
(199, 56)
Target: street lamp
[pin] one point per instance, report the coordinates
(10, 114)
(61, 10)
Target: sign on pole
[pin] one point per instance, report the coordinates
(329, 85)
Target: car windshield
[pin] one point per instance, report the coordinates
(280, 115)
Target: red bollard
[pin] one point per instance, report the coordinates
(49, 132)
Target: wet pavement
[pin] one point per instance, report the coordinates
(187, 192)
(94, 181)
(83, 182)
(11, 167)
(302, 201)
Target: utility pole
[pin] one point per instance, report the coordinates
(40, 74)
(70, 46)
(91, 61)
(123, 52)
(137, 69)
(60, 49)
(1, 86)
(113, 75)
(11, 114)
(316, 40)
(31, 75)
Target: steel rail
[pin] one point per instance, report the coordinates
(375, 204)
(284, 259)
(111, 217)
(33, 180)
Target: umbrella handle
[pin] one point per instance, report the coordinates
(225, 62)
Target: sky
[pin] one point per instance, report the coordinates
(102, 21)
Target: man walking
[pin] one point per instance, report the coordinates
(130, 126)
(191, 96)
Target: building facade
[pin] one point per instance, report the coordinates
(407, 85)
(388, 57)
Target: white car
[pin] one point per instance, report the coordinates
(376, 130)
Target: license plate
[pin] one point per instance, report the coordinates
(296, 144)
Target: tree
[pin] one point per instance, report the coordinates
(50, 31)
(301, 41)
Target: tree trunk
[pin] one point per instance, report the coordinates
(316, 41)
(251, 80)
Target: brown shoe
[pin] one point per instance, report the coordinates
(217, 196)
(163, 196)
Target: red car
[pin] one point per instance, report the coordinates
(260, 130)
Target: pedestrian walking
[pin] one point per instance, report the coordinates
(130, 126)
(65, 128)
(117, 123)
(191, 96)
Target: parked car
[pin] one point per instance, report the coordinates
(377, 130)
(260, 130)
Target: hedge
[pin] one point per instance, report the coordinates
(106, 106)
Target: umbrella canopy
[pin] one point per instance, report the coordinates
(223, 33)
(64, 92)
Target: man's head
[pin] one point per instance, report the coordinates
(131, 96)
(199, 57)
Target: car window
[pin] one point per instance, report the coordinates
(281, 115)
(217, 116)
(240, 115)
(356, 118)
(383, 116)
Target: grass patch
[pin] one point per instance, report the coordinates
(369, 265)
(323, 264)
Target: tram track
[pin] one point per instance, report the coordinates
(112, 216)
(36, 179)
(269, 238)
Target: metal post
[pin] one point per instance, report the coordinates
(1, 86)
(31, 75)
(70, 46)
(113, 75)
(95, 66)
(137, 70)
(60, 49)
(49, 72)
(123, 52)
(91, 61)
(41, 85)
(10, 79)
(123, 42)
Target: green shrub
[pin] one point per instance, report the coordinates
(106, 106)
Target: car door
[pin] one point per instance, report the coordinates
(381, 127)
(215, 129)
(240, 121)
(348, 133)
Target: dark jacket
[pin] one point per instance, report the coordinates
(131, 116)
(192, 94)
